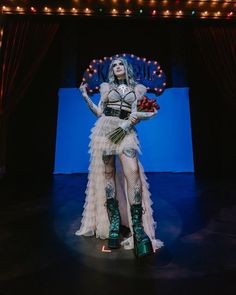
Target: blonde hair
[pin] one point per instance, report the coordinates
(129, 74)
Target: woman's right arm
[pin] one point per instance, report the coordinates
(97, 110)
(88, 100)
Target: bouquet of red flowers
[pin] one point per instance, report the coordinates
(147, 105)
(144, 109)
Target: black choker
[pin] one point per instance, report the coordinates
(121, 81)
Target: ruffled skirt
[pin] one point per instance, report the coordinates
(95, 218)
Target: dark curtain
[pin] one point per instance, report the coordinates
(214, 98)
(217, 46)
(25, 44)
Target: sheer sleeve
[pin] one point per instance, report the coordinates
(104, 90)
(140, 90)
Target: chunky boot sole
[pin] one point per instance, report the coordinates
(143, 248)
(113, 243)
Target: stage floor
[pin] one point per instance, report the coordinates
(40, 254)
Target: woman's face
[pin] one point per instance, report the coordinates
(119, 69)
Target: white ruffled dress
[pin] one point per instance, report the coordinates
(95, 218)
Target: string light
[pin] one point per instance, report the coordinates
(20, 10)
(201, 3)
(87, 10)
(127, 12)
(1, 36)
(114, 11)
(166, 13)
(32, 9)
(47, 10)
(207, 11)
(74, 10)
(152, 2)
(230, 14)
(204, 14)
(179, 13)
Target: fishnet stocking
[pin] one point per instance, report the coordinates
(131, 172)
(110, 188)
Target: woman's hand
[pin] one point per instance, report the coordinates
(83, 89)
(134, 120)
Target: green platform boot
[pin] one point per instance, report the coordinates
(114, 217)
(142, 243)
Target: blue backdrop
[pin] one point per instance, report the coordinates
(166, 140)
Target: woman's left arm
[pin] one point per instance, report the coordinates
(140, 90)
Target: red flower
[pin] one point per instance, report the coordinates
(147, 105)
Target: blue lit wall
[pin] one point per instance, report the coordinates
(166, 141)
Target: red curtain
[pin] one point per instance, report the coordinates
(25, 44)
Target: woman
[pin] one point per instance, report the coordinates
(124, 192)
